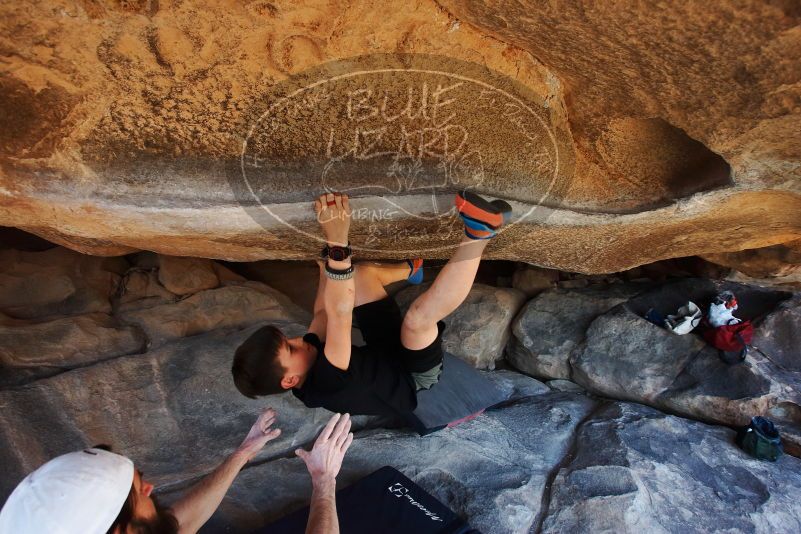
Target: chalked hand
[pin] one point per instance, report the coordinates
(260, 433)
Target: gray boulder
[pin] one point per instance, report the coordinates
(779, 335)
(515, 385)
(140, 288)
(556, 462)
(552, 325)
(637, 470)
(617, 353)
(30, 349)
(627, 357)
(233, 306)
(56, 282)
(533, 280)
(479, 328)
(564, 385)
(778, 340)
(492, 470)
(184, 276)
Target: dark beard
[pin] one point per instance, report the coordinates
(164, 522)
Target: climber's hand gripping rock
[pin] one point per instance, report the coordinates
(333, 214)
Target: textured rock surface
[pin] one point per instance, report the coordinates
(297, 279)
(532, 280)
(515, 385)
(140, 288)
(175, 410)
(779, 265)
(498, 491)
(153, 378)
(656, 48)
(779, 335)
(226, 307)
(550, 327)
(56, 282)
(28, 349)
(184, 276)
(122, 122)
(545, 461)
(598, 467)
(565, 385)
(618, 354)
(626, 357)
(637, 470)
(776, 261)
(146, 404)
(478, 330)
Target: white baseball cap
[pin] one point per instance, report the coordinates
(77, 493)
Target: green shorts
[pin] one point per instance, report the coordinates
(428, 378)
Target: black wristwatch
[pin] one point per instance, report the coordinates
(336, 253)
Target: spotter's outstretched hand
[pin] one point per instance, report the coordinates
(333, 214)
(325, 458)
(260, 433)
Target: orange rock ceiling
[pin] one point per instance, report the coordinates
(623, 133)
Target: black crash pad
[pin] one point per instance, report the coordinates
(462, 391)
(385, 501)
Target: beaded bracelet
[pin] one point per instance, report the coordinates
(338, 274)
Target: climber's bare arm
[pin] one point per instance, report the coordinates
(339, 296)
(320, 319)
(339, 299)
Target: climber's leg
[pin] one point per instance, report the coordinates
(482, 219)
(448, 291)
(371, 278)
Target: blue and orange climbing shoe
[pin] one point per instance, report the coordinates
(415, 271)
(481, 217)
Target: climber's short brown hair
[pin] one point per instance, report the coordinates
(256, 369)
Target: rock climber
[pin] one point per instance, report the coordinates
(402, 354)
(95, 491)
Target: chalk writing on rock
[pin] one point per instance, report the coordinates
(407, 139)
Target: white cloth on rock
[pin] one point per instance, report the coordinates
(720, 315)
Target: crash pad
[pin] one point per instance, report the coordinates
(385, 501)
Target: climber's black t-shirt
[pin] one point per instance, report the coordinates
(375, 383)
